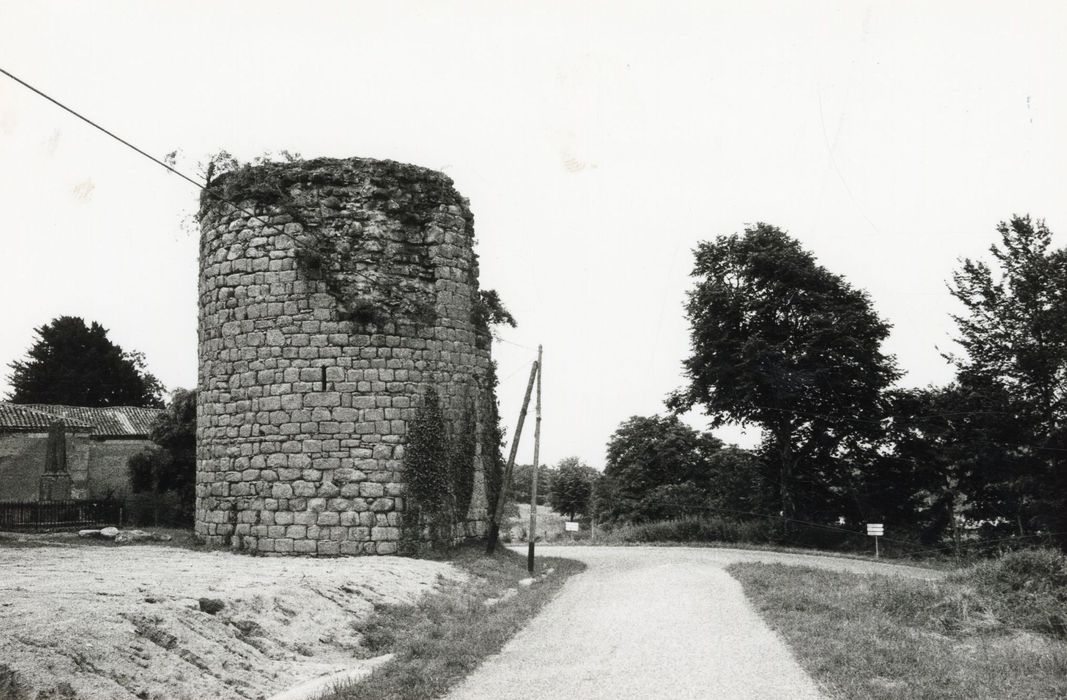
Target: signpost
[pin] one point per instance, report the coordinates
(875, 530)
(570, 526)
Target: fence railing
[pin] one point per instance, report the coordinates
(48, 515)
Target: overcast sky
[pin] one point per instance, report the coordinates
(597, 142)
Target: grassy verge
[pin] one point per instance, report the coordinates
(727, 531)
(441, 639)
(995, 630)
(652, 535)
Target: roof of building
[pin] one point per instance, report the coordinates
(103, 421)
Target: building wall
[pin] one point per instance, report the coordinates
(323, 323)
(22, 461)
(107, 472)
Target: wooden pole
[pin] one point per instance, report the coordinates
(533, 486)
(498, 512)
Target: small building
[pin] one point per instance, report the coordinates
(99, 441)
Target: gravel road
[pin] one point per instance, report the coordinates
(654, 622)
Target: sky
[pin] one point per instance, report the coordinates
(598, 143)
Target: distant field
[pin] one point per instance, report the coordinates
(549, 524)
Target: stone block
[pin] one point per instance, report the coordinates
(379, 534)
(305, 546)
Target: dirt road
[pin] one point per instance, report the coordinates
(654, 622)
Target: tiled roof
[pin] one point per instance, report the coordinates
(19, 418)
(104, 421)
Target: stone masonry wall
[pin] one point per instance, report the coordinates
(323, 321)
(22, 461)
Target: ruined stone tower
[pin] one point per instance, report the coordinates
(327, 321)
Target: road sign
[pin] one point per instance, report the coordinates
(570, 526)
(876, 530)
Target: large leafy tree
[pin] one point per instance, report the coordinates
(1014, 339)
(74, 364)
(781, 342)
(572, 487)
(647, 453)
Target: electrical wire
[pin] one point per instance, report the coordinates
(204, 187)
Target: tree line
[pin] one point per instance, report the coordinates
(783, 344)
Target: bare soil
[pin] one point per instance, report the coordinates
(127, 621)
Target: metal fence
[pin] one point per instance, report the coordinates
(54, 515)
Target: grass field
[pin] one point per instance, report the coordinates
(995, 630)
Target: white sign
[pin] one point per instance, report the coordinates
(876, 529)
(570, 526)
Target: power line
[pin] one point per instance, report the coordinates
(518, 345)
(90, 122)
(203, 187)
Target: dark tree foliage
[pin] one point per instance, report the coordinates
(76, 365)
(175, 432)
(909, 477)
(779, 341)
(645, 453)
(737, 482)
(1014, 339)
(572, 487)
(489, 310)
(170, 466)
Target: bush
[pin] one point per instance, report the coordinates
(692, 529)
(165, 509)
(714, 528)
(1026, 589)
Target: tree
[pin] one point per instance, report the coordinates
(76, 365)
(522, 479)
(911, 475)
(647, 452)
(572, 487)
(1014, 340)
(780, 341)
(170, 466)
(736, 482)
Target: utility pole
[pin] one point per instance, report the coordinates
(537, 450)
(505, 481)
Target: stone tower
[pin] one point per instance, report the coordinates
(336, 298)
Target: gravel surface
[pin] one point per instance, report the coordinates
(655, 622)
(129, 622)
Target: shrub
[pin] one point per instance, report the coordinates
(165, 509)
(1026, 589)
(694, 529)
